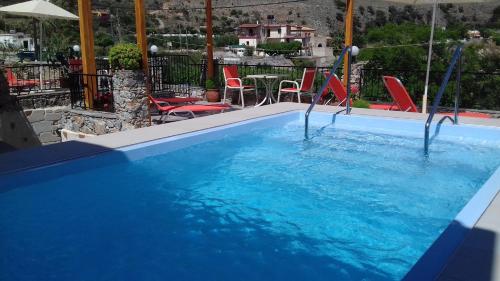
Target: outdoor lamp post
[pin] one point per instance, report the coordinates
(153, 49)
(353, 51)
(76, 49)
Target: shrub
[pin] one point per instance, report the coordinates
(360, 104)
(210, 84)
(125, 56)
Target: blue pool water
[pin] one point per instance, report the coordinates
(262, 204)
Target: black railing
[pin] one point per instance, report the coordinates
(99, 86)
(29, 78)
(479, 89)
(179, 74)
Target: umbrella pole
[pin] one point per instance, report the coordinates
(429, 58)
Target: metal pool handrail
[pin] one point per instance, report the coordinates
(457, 58)
(346, 49)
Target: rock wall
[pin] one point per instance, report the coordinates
(91, 122)
(46, 123)
(131, 102)
(44, 100)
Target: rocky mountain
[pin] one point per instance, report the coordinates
(327, 16)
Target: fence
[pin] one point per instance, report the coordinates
(27, 78)
(179, 73)
(480, 90)
(101, 85)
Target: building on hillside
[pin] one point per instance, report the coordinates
(253, 34)
(18, 40)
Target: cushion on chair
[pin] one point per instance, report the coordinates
(289, 90)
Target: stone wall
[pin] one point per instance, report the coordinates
(91, 122)
(46, 123)
(131, 102)
(44, 100)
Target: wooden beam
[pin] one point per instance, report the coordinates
(140, 29)
(349, 20)
(87, 49)
(142, 43)
(210, 40)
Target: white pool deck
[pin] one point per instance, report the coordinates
(478, 258)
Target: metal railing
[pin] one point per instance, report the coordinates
(480, 88)
(99, 85)
(457, 58)
(318, 95)
(28, 78)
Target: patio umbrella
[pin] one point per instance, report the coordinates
(40, 9)
(433, 25)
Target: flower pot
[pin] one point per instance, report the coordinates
(212, 95)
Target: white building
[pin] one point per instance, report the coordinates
(18, 40)
(253, 34)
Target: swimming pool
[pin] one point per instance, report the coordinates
(249, 201)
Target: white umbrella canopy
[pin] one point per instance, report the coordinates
(39, 9)
(433, 24)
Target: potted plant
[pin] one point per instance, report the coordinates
(212, 93)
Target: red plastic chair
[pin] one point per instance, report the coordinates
(306, 85)
(20, 84)
(191, 109)
(399, 94)
(233, 82)
(338, 89)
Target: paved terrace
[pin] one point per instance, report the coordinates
(478, 258)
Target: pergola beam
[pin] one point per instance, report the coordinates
(87, 47)
(349, 22)
(142, 39)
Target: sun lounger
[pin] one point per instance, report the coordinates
(190, 109)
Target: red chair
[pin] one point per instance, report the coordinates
(338, 89)
(402, 100)
(306, 85)
(20, 84)
(233, 82)
(191, 109)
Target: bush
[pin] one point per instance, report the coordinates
(360, 104)
(125, 56)
(210, 84)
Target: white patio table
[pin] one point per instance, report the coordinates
(268, 80)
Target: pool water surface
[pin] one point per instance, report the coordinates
(261, 204)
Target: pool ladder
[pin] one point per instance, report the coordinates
(348, 50)
(456, 60)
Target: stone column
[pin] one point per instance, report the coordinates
(130, 100)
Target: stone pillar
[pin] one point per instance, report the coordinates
(130, 100)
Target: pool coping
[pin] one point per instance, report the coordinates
(22, 160)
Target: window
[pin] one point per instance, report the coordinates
(269, 33)
(279, 31)
(248, 43)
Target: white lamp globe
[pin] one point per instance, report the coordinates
(154, 49)
(76, 48)
(354, 51)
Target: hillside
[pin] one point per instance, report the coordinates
(326, 16)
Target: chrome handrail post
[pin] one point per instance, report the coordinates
(456, 57)
(348, 79)
(458, 88)
(323, 87)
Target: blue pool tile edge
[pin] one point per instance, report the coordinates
(435, 259)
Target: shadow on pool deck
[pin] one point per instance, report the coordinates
(459, 254)
(475, 260)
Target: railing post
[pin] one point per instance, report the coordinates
(348, 79)
(458, 88)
